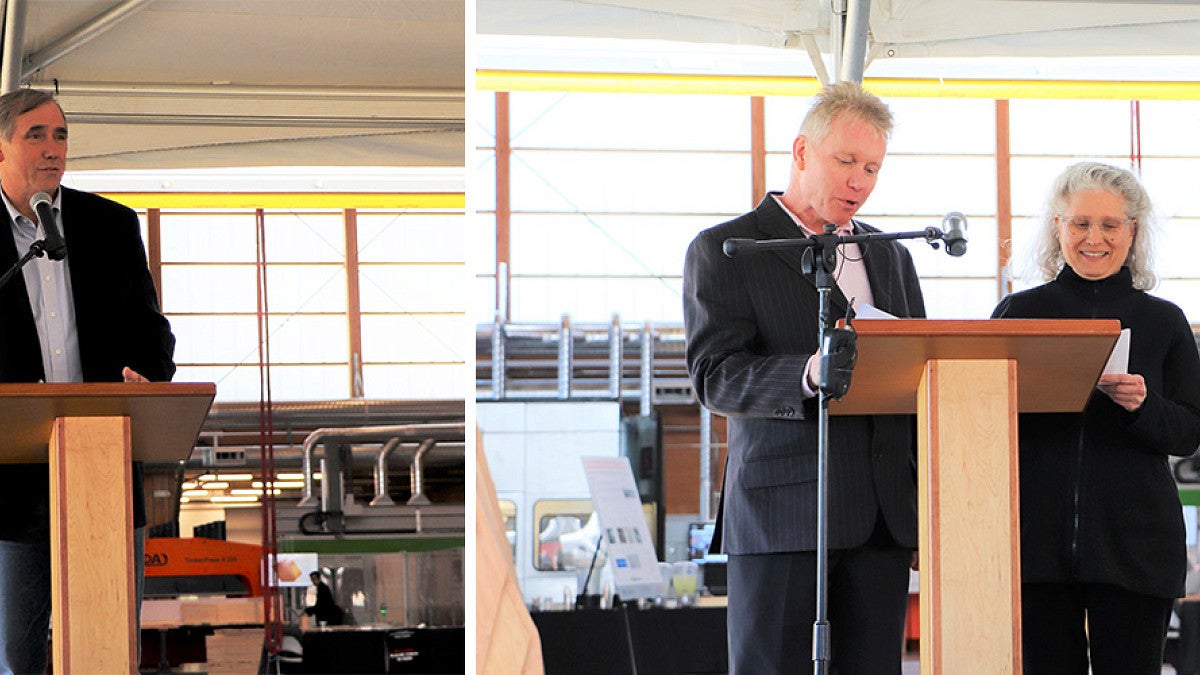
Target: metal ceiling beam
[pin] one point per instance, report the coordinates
(814, 54)
(85, 33)
(291, 121)
(257, 92)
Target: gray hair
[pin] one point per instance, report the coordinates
(845, 98)
(1084, 176)
(17, 103)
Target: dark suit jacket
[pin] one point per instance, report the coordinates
(751, 326)
(116, 318)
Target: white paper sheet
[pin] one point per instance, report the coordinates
(868, 311)
(1118, 361)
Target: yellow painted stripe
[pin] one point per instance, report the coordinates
(654, 83)
(289, 200)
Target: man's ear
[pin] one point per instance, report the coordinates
(799, 146)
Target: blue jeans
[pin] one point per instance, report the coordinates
(25, 601)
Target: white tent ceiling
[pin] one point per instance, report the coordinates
(213, 83)
(898, 28)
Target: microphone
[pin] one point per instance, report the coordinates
(732, 247)
(53, 244)
(954, 227)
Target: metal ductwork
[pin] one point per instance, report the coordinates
(378, 434)
(415, 475)
(381, 479)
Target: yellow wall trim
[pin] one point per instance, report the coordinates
(289, 200)
(740, 85)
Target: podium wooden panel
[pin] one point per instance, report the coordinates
(90, 433)
(967, 380)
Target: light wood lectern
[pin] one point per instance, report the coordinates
(966, 381)
(90, 433)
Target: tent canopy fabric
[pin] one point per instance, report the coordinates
(198, 83)
(897, 28)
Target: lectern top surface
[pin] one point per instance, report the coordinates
(1058, 360)
(165, 418)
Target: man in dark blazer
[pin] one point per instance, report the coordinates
(92, 317)
(752, 348)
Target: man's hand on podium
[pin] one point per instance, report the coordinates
(132, 375)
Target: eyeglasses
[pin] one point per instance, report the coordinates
(1109, 227)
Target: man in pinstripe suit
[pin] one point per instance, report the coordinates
(752, 341)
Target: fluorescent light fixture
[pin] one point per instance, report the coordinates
(216, 485)
(234, 498)
(235, 476)
(291, 476)
(207, 477)
(184, 500)
(195, 493)
(189, 485)
(247, 491)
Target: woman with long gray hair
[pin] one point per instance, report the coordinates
(1102, 539)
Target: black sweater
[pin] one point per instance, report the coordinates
(1099, 503)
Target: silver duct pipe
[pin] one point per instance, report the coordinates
(615, 347)
(287, 459)
(380, 434)
(381, 479)
(14, 46)
(854, 41)
(564, 358)
(647, 369)
(499, 362)
(416, 478)
(501, 290)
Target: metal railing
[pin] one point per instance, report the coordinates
(573, 361)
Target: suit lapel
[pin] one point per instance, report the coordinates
(775, 223)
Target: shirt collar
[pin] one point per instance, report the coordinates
(843, 230)
(14, 215)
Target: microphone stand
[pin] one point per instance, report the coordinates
(36, 250)
(820, 258)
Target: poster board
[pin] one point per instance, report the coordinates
(627, 541)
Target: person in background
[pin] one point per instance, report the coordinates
(1102, 536)
(325, 611)
(91, 317)
(752, 354)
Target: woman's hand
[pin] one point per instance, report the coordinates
(1127, 391)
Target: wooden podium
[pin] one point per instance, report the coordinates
(90, 433)
(966, 381)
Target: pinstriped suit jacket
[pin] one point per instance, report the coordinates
(751, 326)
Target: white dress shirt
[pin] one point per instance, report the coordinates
(49, 285)
(851, 278)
